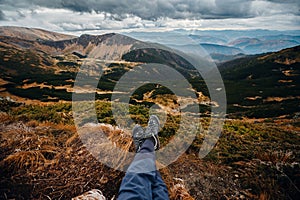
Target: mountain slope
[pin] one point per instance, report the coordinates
(46, 69)
(32, 34)
(83, 44)
(264, 85)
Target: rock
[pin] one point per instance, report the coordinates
(93, 194)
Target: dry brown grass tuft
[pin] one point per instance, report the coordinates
(117, 136)
(23, 138)
(99, 140)
(5, 118)
(264, 196)
(27, 147)
(32, 123)
(24, 160)
(276, 157)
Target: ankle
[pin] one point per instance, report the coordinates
(147, 146)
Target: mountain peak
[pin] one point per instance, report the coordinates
(89, 36)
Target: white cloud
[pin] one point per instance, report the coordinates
(267, 8)
(265, 15)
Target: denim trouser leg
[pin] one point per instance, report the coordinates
(159, 189)
(142, 181)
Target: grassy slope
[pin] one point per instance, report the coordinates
(261, 78)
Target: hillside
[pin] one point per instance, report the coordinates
(266, 85)
(32, 34)
(45, 70)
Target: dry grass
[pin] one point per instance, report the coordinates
(59, 167)
(25, 160)
(50, 161)
(276, 157)
(5, 118)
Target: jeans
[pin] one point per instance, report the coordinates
(142, 180)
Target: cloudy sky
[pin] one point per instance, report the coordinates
(78, 16)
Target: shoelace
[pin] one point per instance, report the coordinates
(156, 142)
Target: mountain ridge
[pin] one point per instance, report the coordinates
(221, 49)
(32, 33)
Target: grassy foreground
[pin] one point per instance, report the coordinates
(43, 158)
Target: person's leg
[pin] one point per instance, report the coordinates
(135, 186)
(159, 189)
(142, 180)
(140, 176)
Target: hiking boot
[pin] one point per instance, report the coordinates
(152, 131)
(138, 135)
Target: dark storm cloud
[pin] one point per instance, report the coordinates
(151, 10)
(233, 8)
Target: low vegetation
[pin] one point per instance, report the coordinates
(42, 157)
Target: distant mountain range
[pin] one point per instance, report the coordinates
(265, 44)
(224, 45)
(221, 49)
(249, 45)
(42, 65)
